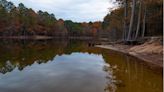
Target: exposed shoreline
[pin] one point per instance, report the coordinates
(153, 60)
(40, 37)
(26, 37)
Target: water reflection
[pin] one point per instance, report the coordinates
(65, 73)
(132, 75)
(71, 66)
(24, 53)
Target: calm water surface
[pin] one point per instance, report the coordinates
(71, 66)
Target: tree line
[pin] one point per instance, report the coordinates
(23, 21)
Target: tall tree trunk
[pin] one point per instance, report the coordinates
(125, 20)
(139, 20)
(131, 20)
(144, 22)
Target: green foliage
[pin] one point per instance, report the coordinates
(72, 27)
(106, 21)
(46, 18)
(3, 14)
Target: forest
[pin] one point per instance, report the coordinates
(135, 19)
(22, 21)
(132, 19)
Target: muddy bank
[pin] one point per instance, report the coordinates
(151, 52)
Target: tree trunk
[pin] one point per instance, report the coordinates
(144, 23)
(139, 20)
(132, 20)
(125, 20)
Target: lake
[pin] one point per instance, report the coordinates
(71, 66)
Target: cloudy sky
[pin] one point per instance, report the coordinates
(76, 10)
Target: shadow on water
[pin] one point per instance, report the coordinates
(71, 66)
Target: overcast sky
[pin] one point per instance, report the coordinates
(75, 10)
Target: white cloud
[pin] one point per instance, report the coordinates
(76, 10)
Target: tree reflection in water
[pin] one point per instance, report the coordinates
(21, 53)
(122, 73)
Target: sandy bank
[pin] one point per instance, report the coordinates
(151, 52)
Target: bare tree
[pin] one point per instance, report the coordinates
(131, 20)
(144, 22)
(139, 19)
(125, 19)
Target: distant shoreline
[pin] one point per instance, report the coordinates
(38, 37)
(25, 37)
